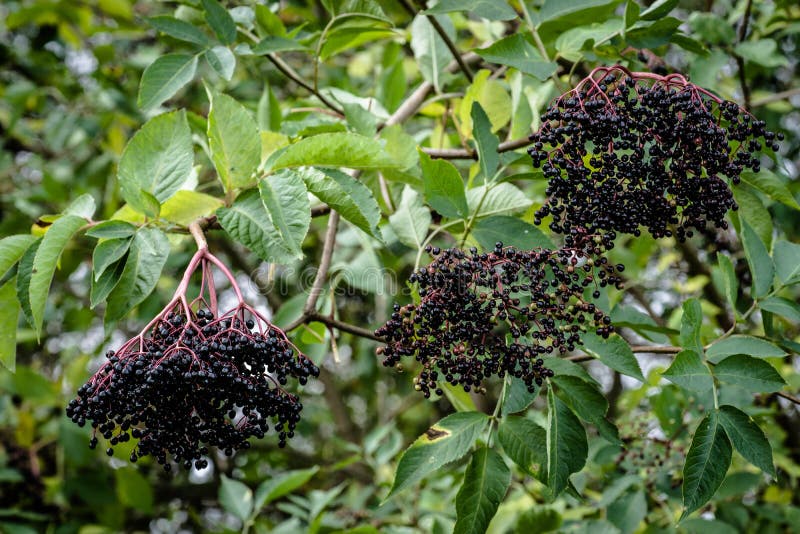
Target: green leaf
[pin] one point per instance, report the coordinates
(752, 209)
(525, 443)
(558, 9)
(771, 185)
(108, 252)
(763, 52)
(615, 353)
(222, 61)
(741, 344)
(83, 206)
(267, 22)
(111, 229)
(761, 266)
(567, 447)
(220, 21)
(511, 231)
(235, 497)
(444, 187)
(747, 438)
(178, 29)
(631, 13)
(134, 490)
(164, 77)
(787, 262)
(248, 222)
(446, 441)
(411, 219)
(272, 44)
(730, 281)
(486, 9)
(11, 250)
(588, 403)
(44, 264)
(102, 287)
(658, 9)
(644, 35)
(234, 142)
(485, 484)
(283, 484)
(538, 520)
(157, 161)
(572, 43)
(516, 51)
(485, 141)
(518, 397)
(9, 317)
(500, 198)
(146, 258)
(689, 372)
(430, 50)
(781, 306)
(707, 462)
(628, 511)
(24, 273)
(749, 373)
(336, 149)
(343, 193)
(187, 206)
(691, 324)
(285, 196)
(458, 398)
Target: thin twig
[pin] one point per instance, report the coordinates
(341, 325)
(290, 73)
(775, 97)
(740, 60)
(463, 153)
(324, 264)
(637, 349)
(788, 397)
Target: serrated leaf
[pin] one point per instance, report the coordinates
(285, 196)
(235, 497)
(283, 484)
(178, 29)
(518, 397)
(689, 372)
(525, 443)
(430, 51)
(156, 162)
(487, 9)
(248, 222)
(274, 43)
(730, 281)
(107, 252)
(500, 198)
(11, 250)
(220, 21)
(187, 206)
(567, 447)
(747, 438)
(146, 258)
(24, 273)
(103, 286)
(761, 266)
(588, 403)
(9, 317)
(742, 344)
(771, 185)
(486, 142)
(706, 464)
(781, 306)
(444, 187)
(615, 353)
(336, 149)
(749, 373)
(511, 231)
(222, 61)
(691, 324)
(787, 262)
(446, 441)
(485, 484)
(343, 193)
(411, 219)
(752, 209)
(164, 77)
(517, 52)
(111, 229)
(44, 264)
(234, 142)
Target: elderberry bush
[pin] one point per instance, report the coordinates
(624, 150)
(496, 313)
(194, 380)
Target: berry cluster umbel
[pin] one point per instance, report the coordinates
(195, 379)
(624, 150)
(496, 313)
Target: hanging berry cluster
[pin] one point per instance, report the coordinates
(195, 377)
(496, 313)
(624, 150)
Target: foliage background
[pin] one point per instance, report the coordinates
(74, 89)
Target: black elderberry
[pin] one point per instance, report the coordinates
(194, 379)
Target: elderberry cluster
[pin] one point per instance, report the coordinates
(496, 313)
(627, 150)
(193, 381)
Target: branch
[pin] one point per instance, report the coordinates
(637, 349)
(324, 264)
(461, 153)
(292, 74)
(774, 97)
(788, 397)
(340, 325)
(740, 60)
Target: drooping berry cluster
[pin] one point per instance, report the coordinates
(195, 379)
(624, 150)
(496, 313)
